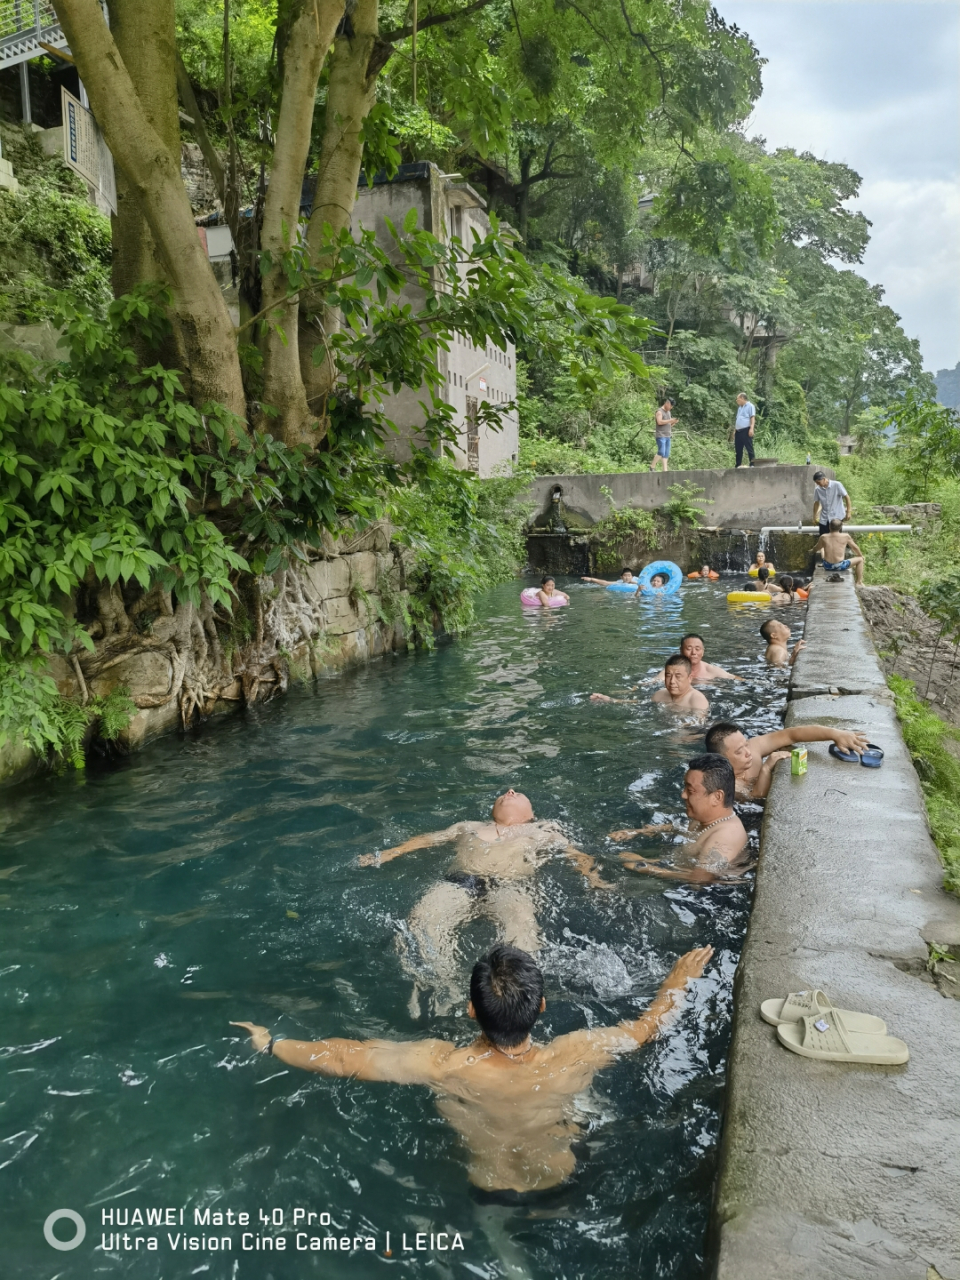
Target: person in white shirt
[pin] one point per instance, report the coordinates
(830, 501)
(746, 423)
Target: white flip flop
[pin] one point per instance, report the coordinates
(803, 1004)
(825, 1038)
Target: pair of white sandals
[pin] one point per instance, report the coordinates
(807, 1023)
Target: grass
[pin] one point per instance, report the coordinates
(939, 770)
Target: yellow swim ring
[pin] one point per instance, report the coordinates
(749, 597)
(753, 572)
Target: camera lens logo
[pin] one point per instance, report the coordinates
(52, 1221)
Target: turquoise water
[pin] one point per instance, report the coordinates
(215, 876)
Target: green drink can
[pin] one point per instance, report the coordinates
(798, 761)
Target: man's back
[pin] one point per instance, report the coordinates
(834, 546)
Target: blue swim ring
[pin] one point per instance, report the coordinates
(674, 580)
(623, 586)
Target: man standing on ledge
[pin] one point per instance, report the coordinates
(746, 423)
(511, 1101)
(664, 422)
(830, 501)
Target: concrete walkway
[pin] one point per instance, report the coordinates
(829, 1171)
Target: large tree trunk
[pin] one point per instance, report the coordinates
(310, 35)
(358, 57)
(152, 173)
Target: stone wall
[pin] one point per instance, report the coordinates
(179, 663)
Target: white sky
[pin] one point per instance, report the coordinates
(877, 86)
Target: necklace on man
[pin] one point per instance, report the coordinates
(512, 1056)
(716, 822)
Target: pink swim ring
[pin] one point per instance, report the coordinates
(530, 599)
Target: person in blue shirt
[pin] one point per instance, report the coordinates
(746, 422)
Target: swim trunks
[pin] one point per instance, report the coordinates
(476, 886)
(835, 568)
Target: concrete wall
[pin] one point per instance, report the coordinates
(747, 498)
(832, 1171)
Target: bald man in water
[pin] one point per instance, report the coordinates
(490, 876)
(511, 1101)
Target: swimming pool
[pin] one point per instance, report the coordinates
(215, 876)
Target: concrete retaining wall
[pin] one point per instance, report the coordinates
(831, 1171)
(748, 498)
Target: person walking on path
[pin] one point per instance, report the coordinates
(830, 501)
(664, 424)
(743, 431)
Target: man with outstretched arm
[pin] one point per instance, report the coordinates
(511, 1100)
(716, 845)
(777, 636)
(753, 759)
(677, 691)
(491, 876)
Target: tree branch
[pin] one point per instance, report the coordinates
(192, 108)
(435, 20)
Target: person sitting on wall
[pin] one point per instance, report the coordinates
(490, 877)
(753, 759)
(761, 563)
(510, 1100)
(777, 635)
(625, 576)
(716, 846)
(832, 548)
(704, 572)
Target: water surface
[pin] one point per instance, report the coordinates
(214, 876)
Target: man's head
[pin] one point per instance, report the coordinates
(775, 632)
(691, 647)
(742, 398)
(667, 404)
(626, 575)
(821, 479)
(708, 788)
(836, 526)
(506, 995)
(512, 809)
(726, 739)
(676, 675)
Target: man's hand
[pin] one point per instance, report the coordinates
(848, 741)
(777, 756)
(798, 648)
(651, 829)
(600, 697)
(259, 1036)
(595, 882)
(688, 966)
(370, 860)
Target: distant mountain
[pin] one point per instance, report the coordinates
(948, 386)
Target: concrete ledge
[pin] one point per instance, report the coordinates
(834, 1172)
(839, 657)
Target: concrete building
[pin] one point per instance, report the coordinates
(471, 374)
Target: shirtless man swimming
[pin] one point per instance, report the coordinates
(626, 577)
(832, 549)
(716, 846)
(511, 1101)
(677, 690)
(490, 876)
(777, 635)
(753, 759)
(691, 646)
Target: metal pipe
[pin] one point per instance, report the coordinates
(847, 528)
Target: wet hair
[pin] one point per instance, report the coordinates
(506, 989)
(750, 586)
(717, 734)
(626, 570)
(678, 660)
(717, 775)
(661, 576)
(786, 582)
(763, 573)
(544, 581)
(691, 635)
(836, 526)
(765, 628)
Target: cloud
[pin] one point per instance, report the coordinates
(876, 86)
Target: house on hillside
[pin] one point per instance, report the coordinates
(471, 374)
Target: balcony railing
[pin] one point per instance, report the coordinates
(23, 24)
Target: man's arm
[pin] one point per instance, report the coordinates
(601, 582)
(602, 1045)
(587, 866)
(856, 549)
(692, 875)
(817, 508)
(418, 842)
(602, 697)
(651, 829)
(761, 787)
(847, 505)
(798, 648)
(818, 549)
(402, 1062)
(718, 673)
(846, 740)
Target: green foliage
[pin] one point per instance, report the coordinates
(926, 735)
(465, 535)
(684, 507)
(51, 238)
(622, 522)
(927, 443)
